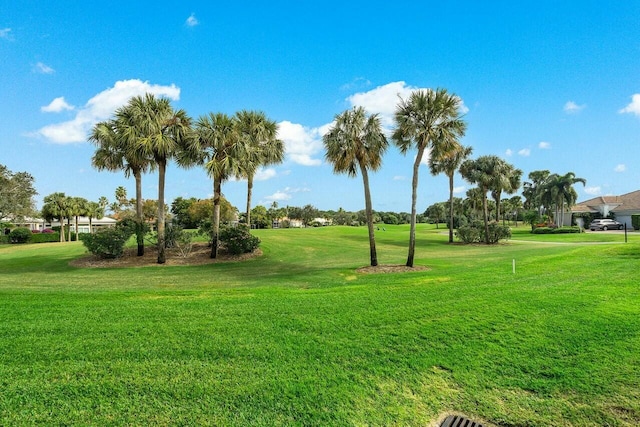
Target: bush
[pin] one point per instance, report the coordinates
(559, 230)
(4, 239)
(20, 235)
(475, 233)
(45, 237)
(635, 222)
(108, 242)
(238, 240)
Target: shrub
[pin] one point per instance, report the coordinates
(20, 235)
(4, 239)
(475, 233)
(108, 242)
(45, 237)
(635, 222)
(238, 240)
(558, 230)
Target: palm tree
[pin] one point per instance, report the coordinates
(560, 189)
(429, 119)
(77, 207)
(263, 148)
(485, 171)
(215, 145)
(449, 164)
(55, 207)
(94, 210)
(356, 142)
(159, 132)
(117, 150)
(508, 181)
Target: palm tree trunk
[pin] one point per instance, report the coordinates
(485, 213)
(414, 198)
(62, 239)
(139, 219)
(369, 213)
(76, 228)
(90, 224)
(216, 217)
(451, 208)
(249, 193)
(69, 228)
(162, 165)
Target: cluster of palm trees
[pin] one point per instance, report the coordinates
(147, 133)
(58, 206)
(551, 192)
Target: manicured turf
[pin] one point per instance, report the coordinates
(297, 337)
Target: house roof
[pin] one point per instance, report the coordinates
(625, 202)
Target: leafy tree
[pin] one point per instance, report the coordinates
(259, 136)
(449, 163)
(429, 119)
(307, 214)
(55, 207)
(342, 217)
(356, 142)
(259, 217)
(436, 212)
(180, 211)
(161, 133)
(533, 189)
(216, 146)
(560, 189)
(16, 194)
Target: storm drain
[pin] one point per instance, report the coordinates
(458, 421)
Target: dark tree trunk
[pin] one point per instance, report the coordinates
(369, 213)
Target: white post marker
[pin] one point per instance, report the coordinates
(514, 266)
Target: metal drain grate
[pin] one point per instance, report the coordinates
(458, 421)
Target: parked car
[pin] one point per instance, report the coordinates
(605, 224)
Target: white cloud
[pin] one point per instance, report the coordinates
(43, 68)
(302, 143)
(572, 108)
(265, 174)
(192, 21)
(620, 168)
(56, 106)
(594, 191)
(286, 194)
(101, 107)
(357, 82)
(5, 33)
(634, 106)
(525, 152)
(399, 178)
(544, 145)
(459, 190)
(383, 100)
(509, 152)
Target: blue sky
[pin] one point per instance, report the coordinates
(546, 85)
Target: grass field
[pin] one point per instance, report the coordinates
(298, 337)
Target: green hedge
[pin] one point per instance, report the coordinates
(635, 222)
(45, 237)
(559, 230)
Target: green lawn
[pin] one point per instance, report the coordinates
(297, 337)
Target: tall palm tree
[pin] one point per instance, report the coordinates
(215, 145)
(118, 150)
(160, 132)
(449, 163)
(94, 210)
(356, 142)
(429, 119)
(77, 207)
(485, 171)
(263, 148)
(55, 207)
(508, 181)
(561, 191)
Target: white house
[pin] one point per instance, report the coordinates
(621, 206)
(38, 224)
